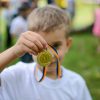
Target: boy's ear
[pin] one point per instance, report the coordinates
(69, 42)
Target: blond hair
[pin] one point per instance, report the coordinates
(49, 19)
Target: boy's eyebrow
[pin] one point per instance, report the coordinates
(57, 43)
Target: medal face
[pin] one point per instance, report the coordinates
(44, 58)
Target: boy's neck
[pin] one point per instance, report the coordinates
(51, 74)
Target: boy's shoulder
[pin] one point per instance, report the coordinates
(18, 69)
(20, 65)
(73, 77)
(23, 66)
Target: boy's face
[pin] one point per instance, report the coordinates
(58, 41)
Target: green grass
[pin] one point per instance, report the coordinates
(83, 59)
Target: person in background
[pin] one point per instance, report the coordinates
(61, 3)
(68, 5)
(19, 25)
(50, 1)
(71, 8)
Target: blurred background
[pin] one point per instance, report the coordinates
(84, 55)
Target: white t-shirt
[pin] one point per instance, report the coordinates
(18, 26)
(18, 83)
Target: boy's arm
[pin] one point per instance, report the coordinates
(30, 42)
(6, 57)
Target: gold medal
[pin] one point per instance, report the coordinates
(44, 58)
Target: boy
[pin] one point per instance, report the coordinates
(18, 82)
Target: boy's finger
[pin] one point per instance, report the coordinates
(36, 43)
(39, 37)
(30, 45)
(43, 42)
(39, 45)
(30, 51)
(36, 40)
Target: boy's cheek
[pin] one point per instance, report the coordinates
(61, 53)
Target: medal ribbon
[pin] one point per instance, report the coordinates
(58, 69)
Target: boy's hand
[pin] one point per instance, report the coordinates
(30, 42)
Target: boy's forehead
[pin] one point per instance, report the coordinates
(56, 37)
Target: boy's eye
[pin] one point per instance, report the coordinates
(56, 46)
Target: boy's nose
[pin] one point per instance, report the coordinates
(54, 59)
(60, 53)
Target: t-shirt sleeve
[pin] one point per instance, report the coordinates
(83, 92)
(85, 95)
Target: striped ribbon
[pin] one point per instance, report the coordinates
(58, 69)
